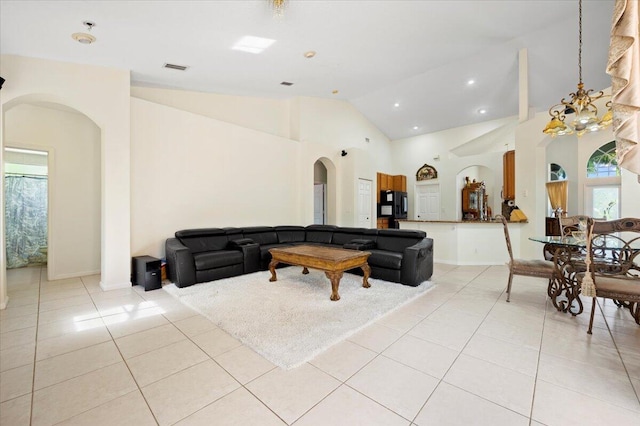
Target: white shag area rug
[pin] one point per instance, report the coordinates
(292, 320)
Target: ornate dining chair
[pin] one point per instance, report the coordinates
(618, 277)
(572, 224)
(529, 268)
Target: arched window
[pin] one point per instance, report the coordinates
(556, 172)
(602, 162)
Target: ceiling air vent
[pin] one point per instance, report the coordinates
(286, 83)
(176, 67)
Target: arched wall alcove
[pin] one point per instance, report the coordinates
(479, 173)
(73, 143)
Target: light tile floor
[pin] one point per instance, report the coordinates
(72, 354)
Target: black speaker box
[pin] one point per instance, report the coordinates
(145, 271)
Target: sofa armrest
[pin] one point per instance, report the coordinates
(417, 263)
(181, 269)
(359, 244)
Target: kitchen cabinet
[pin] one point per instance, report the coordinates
(382, 223)
(390, 183)
(509, 175)
(400, 183)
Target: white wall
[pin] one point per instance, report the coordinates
(411, 154)
(102, 94)
(191, 171)
(326, 127)
(262, 114)
(74, 183)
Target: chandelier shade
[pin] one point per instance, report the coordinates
(580, 104)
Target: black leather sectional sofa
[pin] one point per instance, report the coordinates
(201, 255)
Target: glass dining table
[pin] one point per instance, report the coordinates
(612, 256)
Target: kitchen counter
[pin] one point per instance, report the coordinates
(468, 242)
(457, 221)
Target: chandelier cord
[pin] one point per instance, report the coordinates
(581, 104)
(580, 41)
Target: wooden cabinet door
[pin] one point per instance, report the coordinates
(400, 183)
(388, 179)
(509, 175)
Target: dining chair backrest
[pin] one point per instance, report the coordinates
(571, 224)
(506, 237)
(617, 242)
(614, 268)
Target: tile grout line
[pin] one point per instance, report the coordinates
(344, 382)
(35, 349)
(189, 338)
(615, 344)
(379, 354)
(535, 380)
(611, 403)
(440, 381)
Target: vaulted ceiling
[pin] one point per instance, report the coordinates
(418, 55)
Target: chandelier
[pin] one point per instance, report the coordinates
(581, 104)
(278, 6)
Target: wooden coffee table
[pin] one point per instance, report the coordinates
(333, 261)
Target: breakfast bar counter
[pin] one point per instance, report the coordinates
(468, 242)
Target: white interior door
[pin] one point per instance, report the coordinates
(428, 202)
(364, 203)
(319, 203)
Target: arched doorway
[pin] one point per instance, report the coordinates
(324, 191)
(319, 193)
(73, 143)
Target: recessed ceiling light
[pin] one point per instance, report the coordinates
(252, 44)
(415, 127)
(310, 54)
(482, 111)
(335, 91)
(396, 105)
(83, 38)
(471, 82)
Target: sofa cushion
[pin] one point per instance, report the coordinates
(233, 233)
(261, 234)
(359, 244)
(397, 240)
(319, 233)
(217, 259)
(341, 236)
(385, 259)
(202, 240)
(290, 234)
